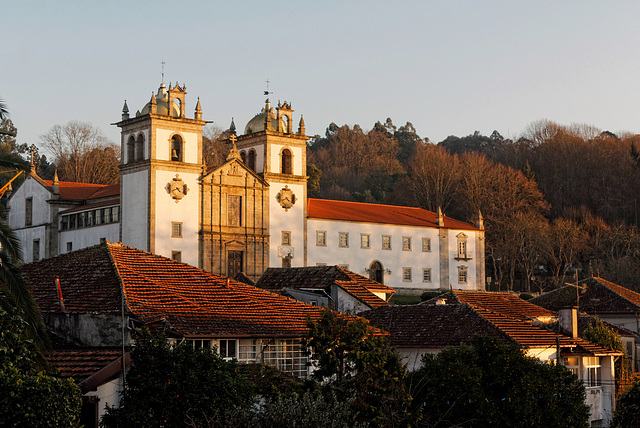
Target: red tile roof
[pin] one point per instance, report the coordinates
(597, 296)
(509, 316)
(195, 302)
(77, 191)
(88, 280)
(374, 213)
(324, 277)
(503, 303)
(191, 301)
(82, 362)
(432, 326)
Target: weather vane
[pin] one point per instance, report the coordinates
(163, 63)
(266, 93)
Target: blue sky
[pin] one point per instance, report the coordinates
(449, 67)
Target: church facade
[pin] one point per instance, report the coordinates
(245, 215)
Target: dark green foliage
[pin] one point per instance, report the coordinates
(176, 386)
(29, 396)
(627, 414)
(350, 358)
(490, 384)
(306, 410)
(430, 295)
(526, 296)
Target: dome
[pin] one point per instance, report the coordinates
(257, 123)
(162, 103)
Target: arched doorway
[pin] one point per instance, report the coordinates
(375, 272)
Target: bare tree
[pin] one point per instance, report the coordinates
(82, 153)
(433, 176)
(215, 147)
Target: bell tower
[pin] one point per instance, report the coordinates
(161, 165)
(272, 149)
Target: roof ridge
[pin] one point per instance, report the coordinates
(370, 203)
(608, 283)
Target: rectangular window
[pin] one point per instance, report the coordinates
(406, 274)
(98, 216)
(81, 219)
(176, 229)
(247, 350)
(69, 246)
(106, 215)
(90, 218)
(64, 223)
(426, 275)
(28, 212)
(343, 239)
(36, 250)
(386, 242)
(572, 364)
(72, 221)
(286, 237)
(365, 240)
(406, 243)
(176, 255)
(199, 343)
(593, 371)
(234, 210)
(227, 348)
(321, 238)
(115, 214)
(462, 274)
(426, 245)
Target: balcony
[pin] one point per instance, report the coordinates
(464, 256)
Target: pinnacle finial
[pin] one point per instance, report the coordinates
(301, 126)
(232, 127)
(198, 115)
(125, 111)
(55, 178)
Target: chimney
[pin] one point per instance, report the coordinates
(568, 321)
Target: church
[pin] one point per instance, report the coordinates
(245, 215)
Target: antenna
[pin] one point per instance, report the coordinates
(163, 63)
(266, 93)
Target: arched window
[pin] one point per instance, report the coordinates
(131, 149)
(243, 156)
(252, 159)
(176, 148)
(375, 272)
(140, 148)
(286, 162)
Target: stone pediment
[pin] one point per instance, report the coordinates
(232, 169)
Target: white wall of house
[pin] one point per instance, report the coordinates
(88, 236)
(397, 259)
(345, 302)
(40, 217)
(163, 145)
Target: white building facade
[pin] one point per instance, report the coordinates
(248, 214)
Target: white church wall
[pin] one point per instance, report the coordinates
(291, 220)
(359, 259)
(183, 211)
(163, 148)
(88, 236)
(134, 212)
(296, 161)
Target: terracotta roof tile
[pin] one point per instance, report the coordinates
(323, 277)
(596, 296)
(88, 281)
(374, 213)
(82, 362)
(431, 326)
(77, 191)
(503, 303)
